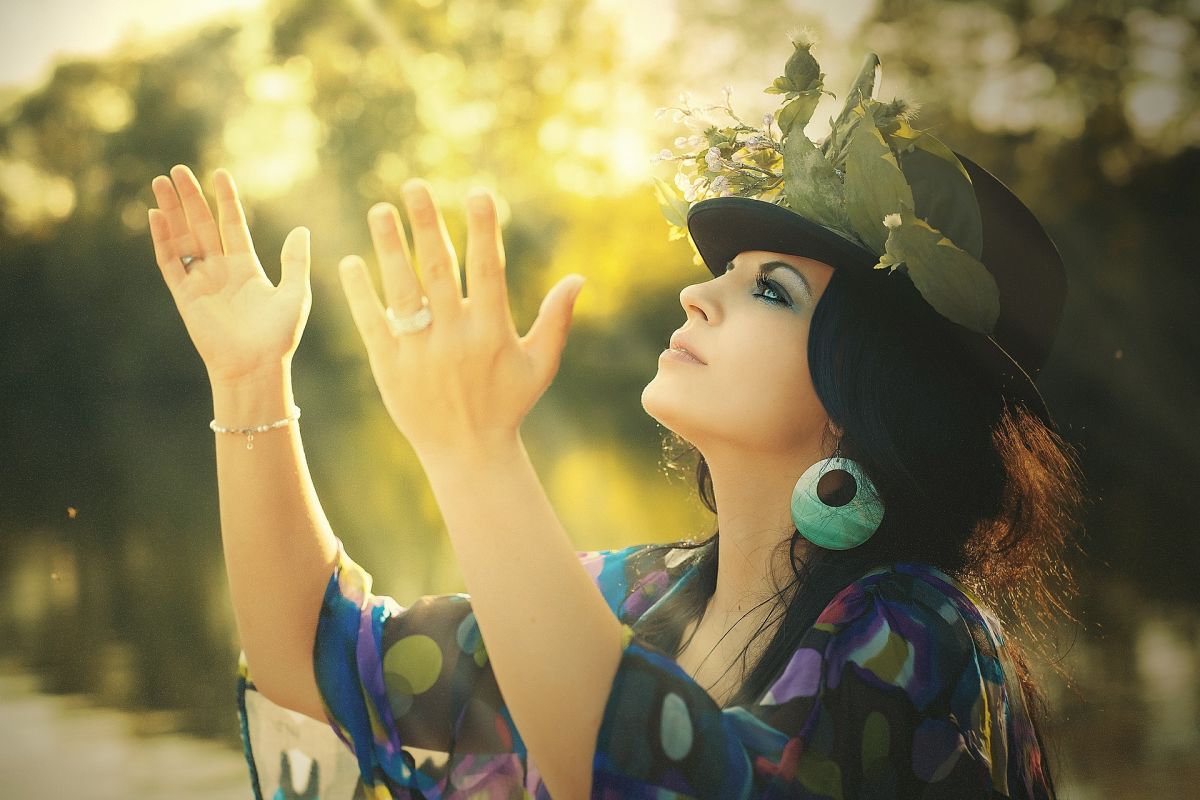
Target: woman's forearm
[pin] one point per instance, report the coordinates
(279, 548)
(553, 643)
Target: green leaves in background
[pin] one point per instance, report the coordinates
(874, 184)
(951, 280)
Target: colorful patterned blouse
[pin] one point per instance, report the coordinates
(901, 689)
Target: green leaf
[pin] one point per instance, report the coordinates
(951, 280)
(797, 113)
(781, 85)
(863, 88)
(673, 207)
(716, 137)
(810, 184)
(834, 145)
(874, 184)
(942, 192)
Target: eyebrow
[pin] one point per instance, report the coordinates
(768, 266)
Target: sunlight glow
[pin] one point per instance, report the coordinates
(33, 197)
(50, 30)
(272, 144)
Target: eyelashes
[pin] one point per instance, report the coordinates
(765, 286)
(770, 286)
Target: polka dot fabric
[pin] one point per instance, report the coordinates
(901, 689)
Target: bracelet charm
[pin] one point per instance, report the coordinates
(249, 432)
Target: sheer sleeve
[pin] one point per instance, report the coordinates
(891, 693)
(395, 678)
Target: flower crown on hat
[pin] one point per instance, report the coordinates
(896, 191)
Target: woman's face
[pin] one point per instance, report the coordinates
(749, 327)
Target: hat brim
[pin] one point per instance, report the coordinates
(723, 227)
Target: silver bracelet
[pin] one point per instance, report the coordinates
(249, 432)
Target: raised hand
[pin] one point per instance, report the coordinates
(239, 322)
(467, 380)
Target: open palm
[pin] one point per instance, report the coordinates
(238, 320)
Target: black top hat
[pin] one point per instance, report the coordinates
(1016, 251)
(878, 193)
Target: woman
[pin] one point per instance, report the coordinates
(868, 449)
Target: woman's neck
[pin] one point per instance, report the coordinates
(755, 524)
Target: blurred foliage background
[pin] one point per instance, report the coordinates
(110, 564)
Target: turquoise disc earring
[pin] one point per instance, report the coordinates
(842, 526)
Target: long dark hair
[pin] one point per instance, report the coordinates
(972, 483)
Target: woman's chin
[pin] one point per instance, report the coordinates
(665, 410)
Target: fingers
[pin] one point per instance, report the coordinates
(485, 259)
(235, 234)
(295, 260)
(195, 208)
(435, 253)
(164, 250)
(548, 335)
(178, 231)
(365, 308)
(400, 285)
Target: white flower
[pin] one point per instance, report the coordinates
(728, 90)
(767, 120)
(720, 184)
(685, 97)
(803, 34)
(688, 163)
(681, 141)
(677, 116)
(682, 183)
(694, 140)
(892, 221)
(660, 112)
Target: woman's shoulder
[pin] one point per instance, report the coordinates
(913, 628)
(919, 586)
(906, 654)
(922, 593)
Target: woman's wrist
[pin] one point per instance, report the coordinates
(257, 398)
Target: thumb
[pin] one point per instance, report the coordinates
(295, 259)
(548, 335)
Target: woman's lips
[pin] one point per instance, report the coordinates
(680, 355)
(679, 344)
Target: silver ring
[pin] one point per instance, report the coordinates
(187, 260)
(411, 323)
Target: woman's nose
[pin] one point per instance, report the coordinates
(693, 298)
